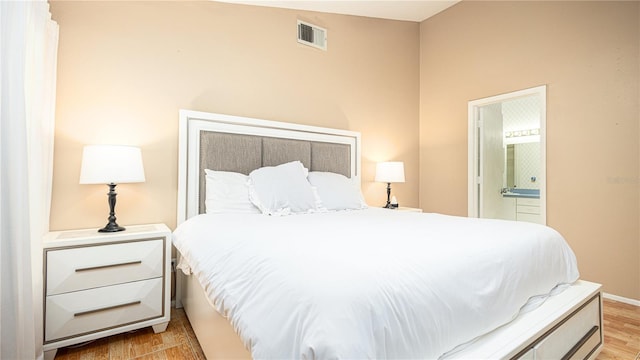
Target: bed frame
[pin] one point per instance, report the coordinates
(566, 326)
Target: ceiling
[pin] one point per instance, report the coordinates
(407, 10)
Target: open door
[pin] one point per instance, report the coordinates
(493, 205)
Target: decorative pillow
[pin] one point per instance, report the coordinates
(282, 189)
(337, 192)
(227, 192)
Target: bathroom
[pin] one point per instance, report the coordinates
(508, 156)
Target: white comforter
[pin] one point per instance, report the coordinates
(369, 284)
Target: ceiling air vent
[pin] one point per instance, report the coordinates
(312, 35)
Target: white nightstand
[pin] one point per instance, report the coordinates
(101, 284)
(410, 209)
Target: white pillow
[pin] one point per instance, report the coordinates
(337, 192)
(282, 189)
(227, 192)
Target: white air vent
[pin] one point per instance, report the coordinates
(312, 35)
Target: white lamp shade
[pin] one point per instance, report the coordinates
(106, 164)
(390, 172)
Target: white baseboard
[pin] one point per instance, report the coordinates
(621, 299)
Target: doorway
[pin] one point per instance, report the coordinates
(507, 159)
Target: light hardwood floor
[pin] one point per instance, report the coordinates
(177, 342)
(621, 338)
(621, 331)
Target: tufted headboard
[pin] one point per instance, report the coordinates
(240, 144)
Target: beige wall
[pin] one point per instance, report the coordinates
(587, 53)
(125, 68)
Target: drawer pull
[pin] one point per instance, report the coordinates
(107, 308)
(109, 266)
(577, 346)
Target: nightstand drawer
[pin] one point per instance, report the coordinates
(83, 268)
(102, 308)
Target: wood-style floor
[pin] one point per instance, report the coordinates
(177, 342)
(621, 339)
(621, 331)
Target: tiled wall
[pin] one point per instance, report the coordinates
(521, 114)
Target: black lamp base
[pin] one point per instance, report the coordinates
(112, 226)
(388, 205)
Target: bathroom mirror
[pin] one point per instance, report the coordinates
(522, 166)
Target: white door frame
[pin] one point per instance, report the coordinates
(475, 145)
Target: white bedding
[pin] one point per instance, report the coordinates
(371, 283)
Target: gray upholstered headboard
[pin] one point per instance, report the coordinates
(231, 143)
(245, 153)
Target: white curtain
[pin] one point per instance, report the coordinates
(28, 52)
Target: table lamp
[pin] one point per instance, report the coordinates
(111, 165)
(390, 172)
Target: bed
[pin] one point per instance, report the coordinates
(349, 293)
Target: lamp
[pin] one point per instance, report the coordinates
(111, 165)
(390, 172)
